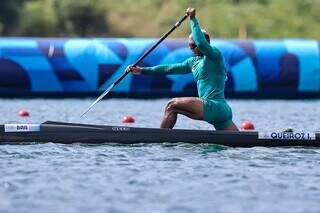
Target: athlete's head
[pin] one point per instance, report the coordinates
(194, 47)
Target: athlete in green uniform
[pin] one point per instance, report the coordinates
(208, 69)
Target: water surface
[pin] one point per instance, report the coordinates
(159, 177)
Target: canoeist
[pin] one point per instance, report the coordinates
(208, 69)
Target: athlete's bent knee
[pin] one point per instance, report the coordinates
(171, 105)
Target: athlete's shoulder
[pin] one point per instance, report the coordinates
(215, 50)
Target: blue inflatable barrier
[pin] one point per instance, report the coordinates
(256, 68)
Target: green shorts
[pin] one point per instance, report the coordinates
(218, 113)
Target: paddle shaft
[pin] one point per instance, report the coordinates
(136, 63)
(152, 48)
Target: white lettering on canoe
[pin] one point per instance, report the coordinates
(288, 135)
(120, 128)
(22, 127)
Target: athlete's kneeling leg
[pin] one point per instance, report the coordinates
(232, 127)
(219, 114)
(189, 106)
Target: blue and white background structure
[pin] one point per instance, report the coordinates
(256, 68)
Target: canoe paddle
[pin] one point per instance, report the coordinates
(136, 63)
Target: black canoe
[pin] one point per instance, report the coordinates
(59, 132)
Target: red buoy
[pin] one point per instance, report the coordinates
(127, 119)
(247, 125)
(23, 113)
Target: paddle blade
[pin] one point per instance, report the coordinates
(98, 99)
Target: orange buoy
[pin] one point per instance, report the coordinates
(247, 125)
(127, 119)
(23, 113)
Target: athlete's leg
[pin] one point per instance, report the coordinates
(219, 114)
(191, 107)
(232, 127)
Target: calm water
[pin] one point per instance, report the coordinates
(160, 177)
